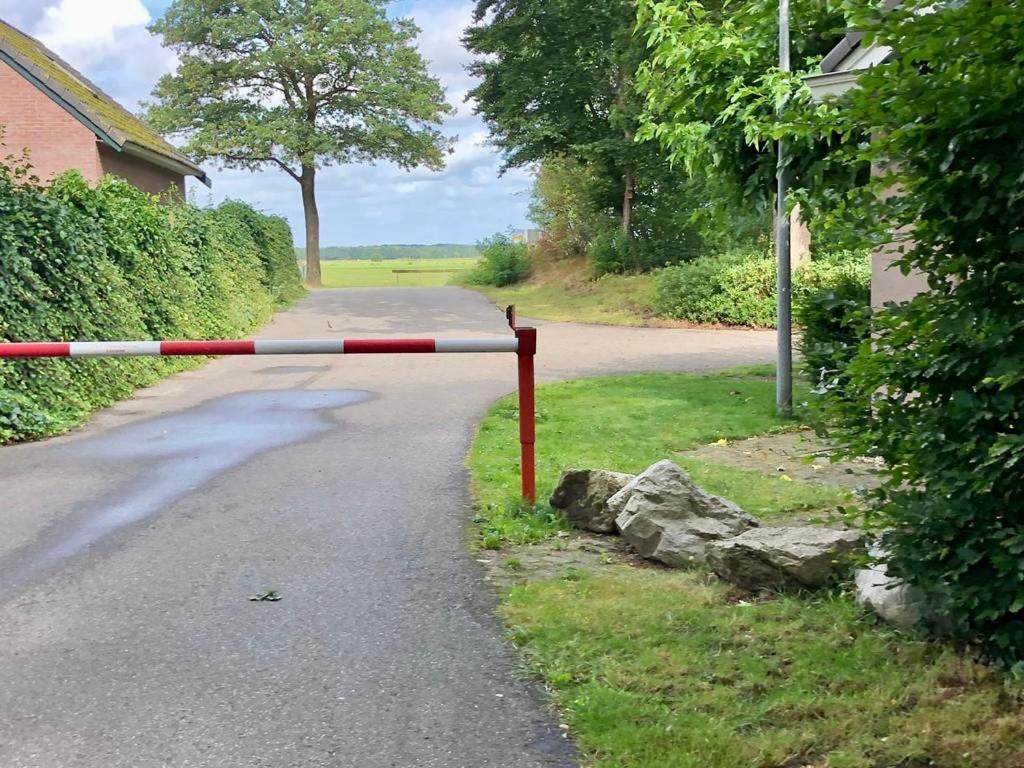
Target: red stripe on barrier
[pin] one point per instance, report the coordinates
(243, 347)
(35, 349)
(372, 346)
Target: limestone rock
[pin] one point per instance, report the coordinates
(667, 518)
(582, 494)
(799, 557)
(892, 599)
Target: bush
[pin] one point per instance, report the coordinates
(739, 288)
(78, 263)
(938, 391)
(832, 307)
(732, 288)
(502, 262)
(609, 252)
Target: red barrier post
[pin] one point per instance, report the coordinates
(527, 412)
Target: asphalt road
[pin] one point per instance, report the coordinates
(129, 549)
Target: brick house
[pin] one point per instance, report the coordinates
(65, 122)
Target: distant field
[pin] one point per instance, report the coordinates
(351, 273)
(434, 251)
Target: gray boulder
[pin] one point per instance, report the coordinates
(667, 518)
(582, 494)
(892, 599)
(801, 557)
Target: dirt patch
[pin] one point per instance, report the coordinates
(560, 557)
(800, 455)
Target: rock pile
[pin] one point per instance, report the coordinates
(665, 517)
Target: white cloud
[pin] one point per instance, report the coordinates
(359, 204)
(84, 31)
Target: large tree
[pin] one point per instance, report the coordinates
(556, 78)
(713, 88)
(298, 84)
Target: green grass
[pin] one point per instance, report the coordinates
(657, 669)
(626, 423)
(652, 668)
(611, 300)
(361, 273)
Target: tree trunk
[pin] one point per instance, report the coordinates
(627, 202)
(308, 183)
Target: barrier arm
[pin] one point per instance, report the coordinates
(524, 345)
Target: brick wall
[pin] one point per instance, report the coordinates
(55, 140)
(146, 176)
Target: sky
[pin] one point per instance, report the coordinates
(361, 204)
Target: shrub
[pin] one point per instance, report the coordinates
(732, 288)
(502, 262)
(609, 252)
(938, 391)
(832, 307)
(78, 263)
(739, 288)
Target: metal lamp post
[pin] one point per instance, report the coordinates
(784, 372)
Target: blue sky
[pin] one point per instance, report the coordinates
(359, 204)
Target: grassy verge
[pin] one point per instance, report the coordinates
(666, 669)
(627, 423)
(363, 273)
(563, 291)
(657, 669)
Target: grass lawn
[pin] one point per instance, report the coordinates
(627, 423)
(377, 274)
(612, 300)
(652, 668)
(562, 290)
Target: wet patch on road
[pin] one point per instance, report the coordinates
(286, 369)
(181, 452)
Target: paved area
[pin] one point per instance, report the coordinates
(129, 550)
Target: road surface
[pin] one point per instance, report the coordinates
(129, 549)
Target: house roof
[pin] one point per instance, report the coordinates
(842, 65)
(833, 59)
(113, 124)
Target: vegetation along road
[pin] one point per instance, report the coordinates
(127, 636)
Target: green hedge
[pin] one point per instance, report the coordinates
(732, 288)
(832, 307)
(111, 262)
(739, 288)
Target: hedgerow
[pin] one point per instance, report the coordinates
(111, 262)
(739, 288)
(937, 390)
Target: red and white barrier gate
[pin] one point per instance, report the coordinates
(524, 344)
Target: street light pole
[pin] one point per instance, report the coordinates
(784, 372)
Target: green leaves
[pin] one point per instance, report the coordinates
(291, 84)
(938, 392)
(713, 92)
(111, 262)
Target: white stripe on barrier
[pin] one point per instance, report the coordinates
(114, 348)
(299, 347)
(510, 344)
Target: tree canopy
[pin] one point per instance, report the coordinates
(713, 88)
(298, 84)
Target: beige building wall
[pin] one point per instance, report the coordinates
(888, 283)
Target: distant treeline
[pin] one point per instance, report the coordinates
(384, 252)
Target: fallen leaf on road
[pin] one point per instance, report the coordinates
(269, 596)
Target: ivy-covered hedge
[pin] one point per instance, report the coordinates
(111, 262)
